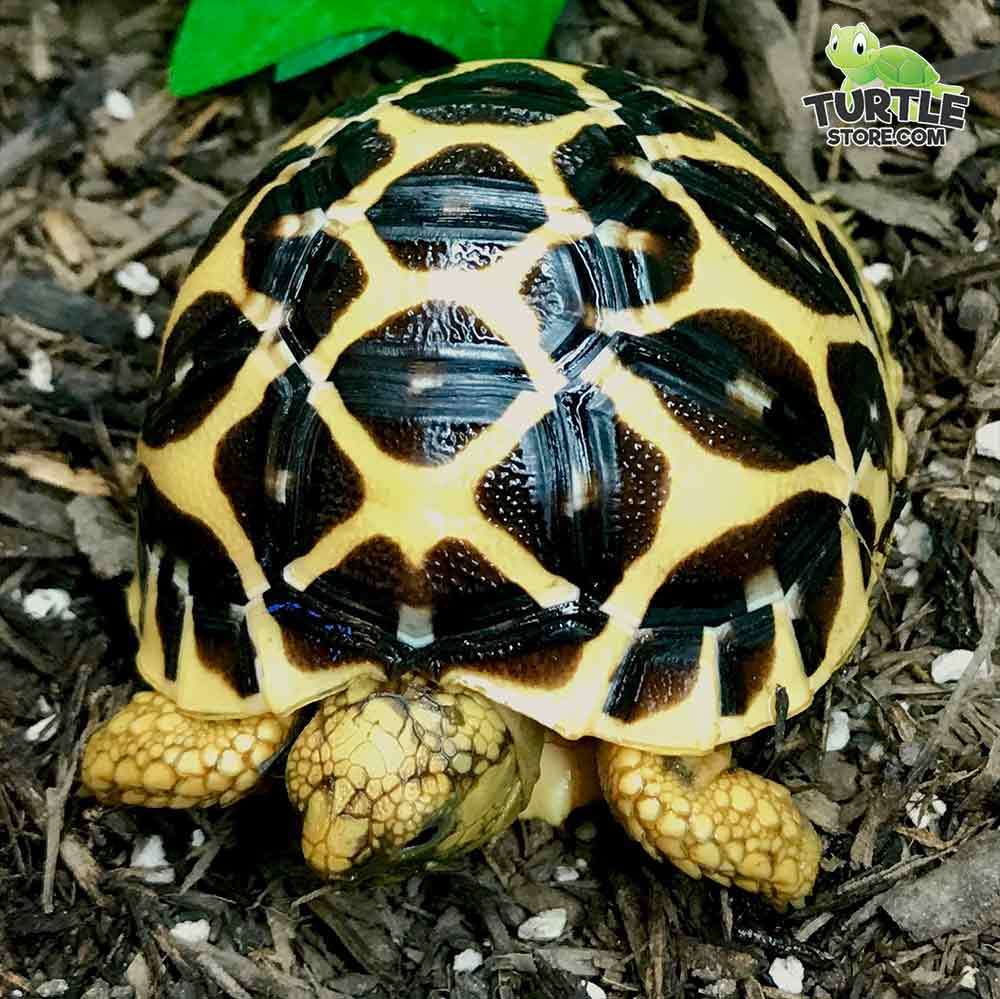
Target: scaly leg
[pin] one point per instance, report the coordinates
(151, 753)
(711, 819)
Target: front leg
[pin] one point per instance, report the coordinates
(151, 753)
(711, 819)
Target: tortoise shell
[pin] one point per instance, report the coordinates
(528, 376)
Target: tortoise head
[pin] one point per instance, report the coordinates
(391, 777)
(852, 47)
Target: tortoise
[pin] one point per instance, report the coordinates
(855, 50)
(533, 430)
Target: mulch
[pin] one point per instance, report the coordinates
(102, 201)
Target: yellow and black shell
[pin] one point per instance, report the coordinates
(532, 377)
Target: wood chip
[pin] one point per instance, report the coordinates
(54, 471)
(66, 236)
(56, 308)
(897, 207)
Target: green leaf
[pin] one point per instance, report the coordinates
(326, 51)
(222, 40)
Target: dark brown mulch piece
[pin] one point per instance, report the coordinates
(53, 307)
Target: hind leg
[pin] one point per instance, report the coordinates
(151, 753)
(709, 818)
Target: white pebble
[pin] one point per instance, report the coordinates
(53, 987)
(119, 105)
(566, 874)
(135, 277)
(547, 925)
(149, 855)
(787, 974)
(988, 440)
(42, 730)
(879, 273)
(138, 976)
(910, 578)
(839, 734)
(942, 469)
(144, 326)
(980, 245)
(594, 991)
(191, 931)
(914, 539)
(197, 838)
(924, 810)
(949, 666)
(43, 603)
(468, 960)
(40, 370)
(968, 979)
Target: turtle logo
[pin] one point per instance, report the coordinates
(885, 85)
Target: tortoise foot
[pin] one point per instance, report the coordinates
(712, 820)
(151, 753)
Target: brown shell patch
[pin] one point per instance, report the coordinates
(658, 671)
(245, 468)
(746, 657)
(560, 291)
(764, 229)
(330, 489)
(206, 348)
(378, 573)
(209, 577)
(594, 166)
(502, 93)
(863, 517)
(459, 208)
(738, 387)
(333, 278)
(582, 491)
(443, 377)
(546, 668)
(859, 391)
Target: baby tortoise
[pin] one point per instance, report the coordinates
(535, 428)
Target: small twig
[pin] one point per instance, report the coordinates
(950, 714)
(56, 797)
(204, 862)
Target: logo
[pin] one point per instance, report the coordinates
(890, 96)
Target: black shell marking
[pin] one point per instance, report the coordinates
(764, 230)
(860, 393)
(208, 345)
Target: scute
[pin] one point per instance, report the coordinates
(532, 377)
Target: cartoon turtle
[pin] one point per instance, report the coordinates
(855, 50)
